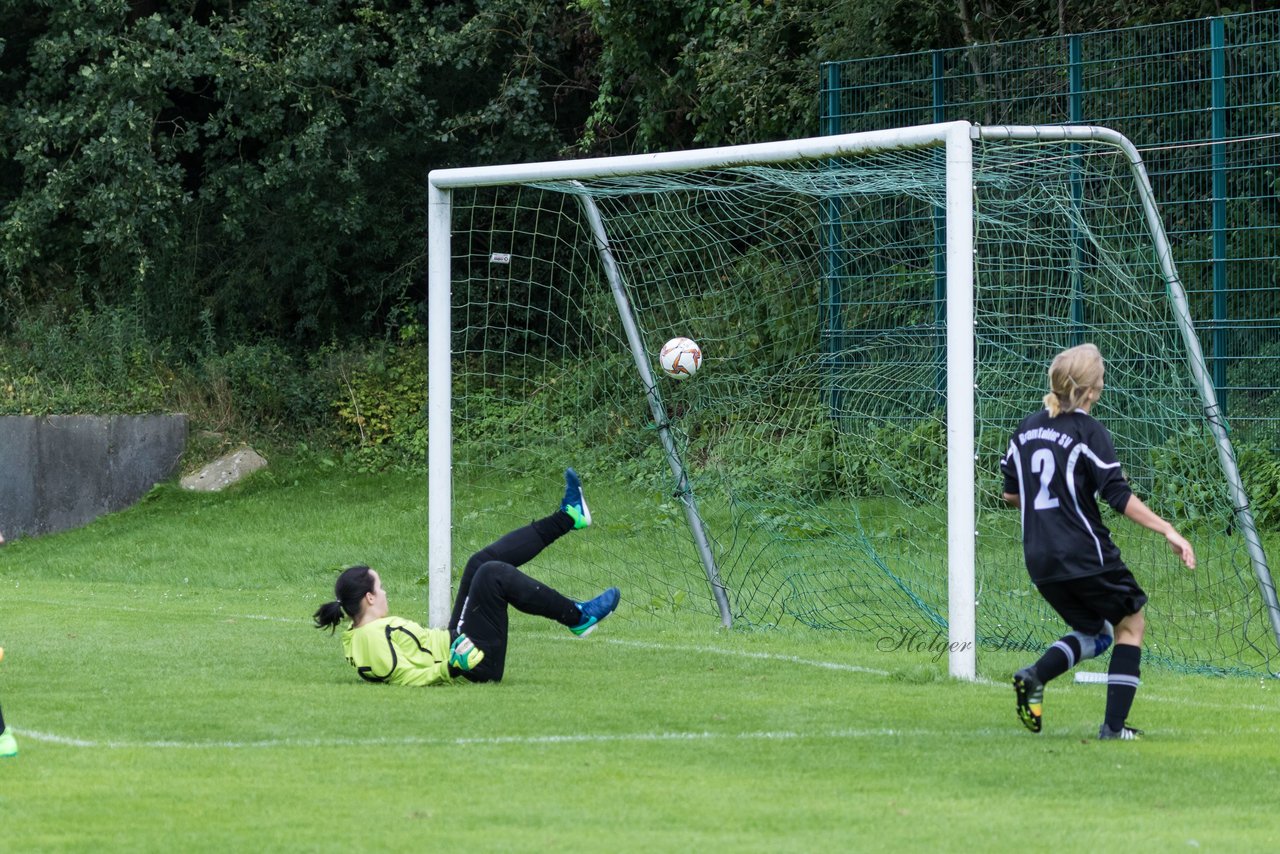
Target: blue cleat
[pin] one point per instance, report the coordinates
(575, 503)
(596, 610)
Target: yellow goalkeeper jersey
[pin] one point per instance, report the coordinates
(398, 651)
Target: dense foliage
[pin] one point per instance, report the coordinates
(257, 169)
(219, 206)
(253, 169)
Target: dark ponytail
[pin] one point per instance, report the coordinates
(350, 588)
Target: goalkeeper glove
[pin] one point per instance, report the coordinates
(465, 655)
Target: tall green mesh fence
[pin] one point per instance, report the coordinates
(813, 436)
(1198, 98)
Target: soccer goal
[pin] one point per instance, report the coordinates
(876, 313)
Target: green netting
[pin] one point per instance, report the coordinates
(814, 434)
(1198, 97)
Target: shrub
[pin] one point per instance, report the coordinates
(379, 397)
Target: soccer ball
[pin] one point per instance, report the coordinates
(680, 358)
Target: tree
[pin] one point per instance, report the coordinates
(257, 168)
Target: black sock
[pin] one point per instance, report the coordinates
(553, 527)
(1122, 683)
(1, 721)
(1058, 659)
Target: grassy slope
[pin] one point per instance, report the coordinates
(168, 691)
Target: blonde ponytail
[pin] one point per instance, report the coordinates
(1075, 379)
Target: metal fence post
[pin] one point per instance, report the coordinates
(1218, 155)
(1075, 115)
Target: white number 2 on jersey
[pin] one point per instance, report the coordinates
(1043, 465)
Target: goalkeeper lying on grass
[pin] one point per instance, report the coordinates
(383, 648)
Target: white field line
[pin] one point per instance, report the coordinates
(738, 653)
(565, 738)
(853, 668)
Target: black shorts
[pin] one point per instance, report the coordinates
(1084, 603)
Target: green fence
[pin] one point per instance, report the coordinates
(1199, 98)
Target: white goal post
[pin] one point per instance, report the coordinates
(957, 140)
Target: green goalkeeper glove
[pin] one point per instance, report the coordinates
(465, 655)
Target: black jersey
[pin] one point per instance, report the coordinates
(1057, 466)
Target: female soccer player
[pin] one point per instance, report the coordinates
(383, 648)
(8, 744)
(1058, 459)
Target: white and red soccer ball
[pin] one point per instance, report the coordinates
(680, 358)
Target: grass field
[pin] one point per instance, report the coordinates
(169, 693)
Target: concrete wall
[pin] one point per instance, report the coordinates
(64, 471)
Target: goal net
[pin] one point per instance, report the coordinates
(876, 312)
